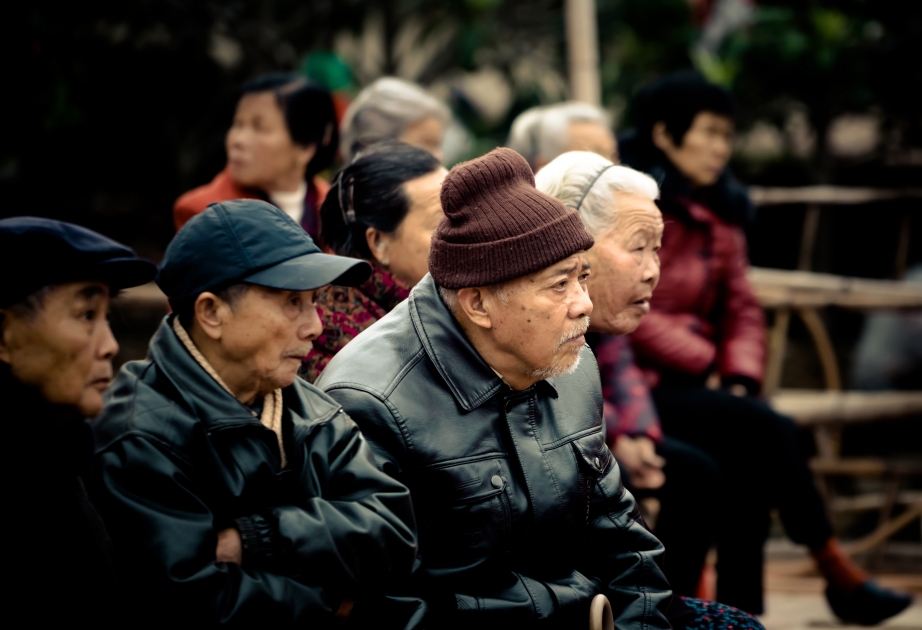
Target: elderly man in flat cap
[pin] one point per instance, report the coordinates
(483, 398)
(235, 491)
(56, 352)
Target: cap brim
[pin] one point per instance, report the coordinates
(312, 271)
(122, 273)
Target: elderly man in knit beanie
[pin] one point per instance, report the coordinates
(478, 393)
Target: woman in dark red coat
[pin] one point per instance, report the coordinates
(702, 347)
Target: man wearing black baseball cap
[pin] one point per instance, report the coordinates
(235, 491)
(56, 352)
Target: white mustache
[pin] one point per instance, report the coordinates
(576, 331)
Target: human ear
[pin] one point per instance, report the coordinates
(378, 242)
(210, 314)
(662, 139)
(473, 302)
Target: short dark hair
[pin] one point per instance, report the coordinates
(675, 100)
(29, 307)
(309, 113)
(370, 192)
(231, 294)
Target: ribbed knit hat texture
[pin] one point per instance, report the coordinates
(498, 226)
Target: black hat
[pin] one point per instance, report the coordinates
(247, 240)
(37, 252)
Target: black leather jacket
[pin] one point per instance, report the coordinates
(521, 512)
(179, 459)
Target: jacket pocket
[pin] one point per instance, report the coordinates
(593, 460)
(468, 512)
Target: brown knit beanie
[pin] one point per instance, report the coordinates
(498, 226)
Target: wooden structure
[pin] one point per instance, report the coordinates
(583, 51)
(827, 412)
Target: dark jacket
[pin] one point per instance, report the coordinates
(704, 316)
(522, 515)
(179, 459)
(58, 556)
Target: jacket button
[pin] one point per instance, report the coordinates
(497, 481)
(597, 463)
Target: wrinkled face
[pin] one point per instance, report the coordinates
(593, 137)
(65, 351)
(543, 322)
(705, 149)
(625, 265)
(408, 247)
(427, 134)
(268, 332)
(260, 151)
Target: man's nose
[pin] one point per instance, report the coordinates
(581, 305)
(108, 346)
(311, 326)
(651, 271)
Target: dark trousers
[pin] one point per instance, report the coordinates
(762, 466)
(682, 525)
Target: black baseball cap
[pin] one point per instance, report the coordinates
(36, 252)
(248, 240)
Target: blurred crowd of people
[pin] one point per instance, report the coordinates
(404, 396)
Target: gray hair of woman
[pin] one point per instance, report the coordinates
(523, 134)
(553, 133)
(587, 182)
(383, 111)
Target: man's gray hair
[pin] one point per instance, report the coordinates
(523, 134)
(554, 132)
(383, 111)
(450, 296)
(587, 182)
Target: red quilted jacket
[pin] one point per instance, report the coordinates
(703, 316)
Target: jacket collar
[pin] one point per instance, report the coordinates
(471, 381)
(57, 441)
(209, 402)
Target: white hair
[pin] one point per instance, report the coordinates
(587, 182)
(523, 134)
(554, 133)
(383, 111)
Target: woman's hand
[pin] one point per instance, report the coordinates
(639, 461)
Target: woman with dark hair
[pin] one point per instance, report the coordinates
(284, 132)
(383, 208)
(702, 347)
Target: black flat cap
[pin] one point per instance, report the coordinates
(37, 252)
(247, 240)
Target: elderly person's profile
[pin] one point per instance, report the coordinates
(238, 492)
(383, 208)
(283, 134)
(56, 351)
(394, 109)
(483, 398)
(556, 129)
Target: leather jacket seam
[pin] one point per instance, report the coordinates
(399, 422)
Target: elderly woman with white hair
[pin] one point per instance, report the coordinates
(394, 109)
(617, 206)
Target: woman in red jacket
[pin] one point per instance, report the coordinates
(284, 132)
(702, 347)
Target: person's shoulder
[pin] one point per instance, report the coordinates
(221, 188)
(139, 404)
(309, 402)
(378, 357)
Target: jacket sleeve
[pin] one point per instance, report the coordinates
(360, 533)
(627, 403)
(622, 554)
(672, 341)
(166, 539)
(742, 325)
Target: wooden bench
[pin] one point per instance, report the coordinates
(827, 412)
